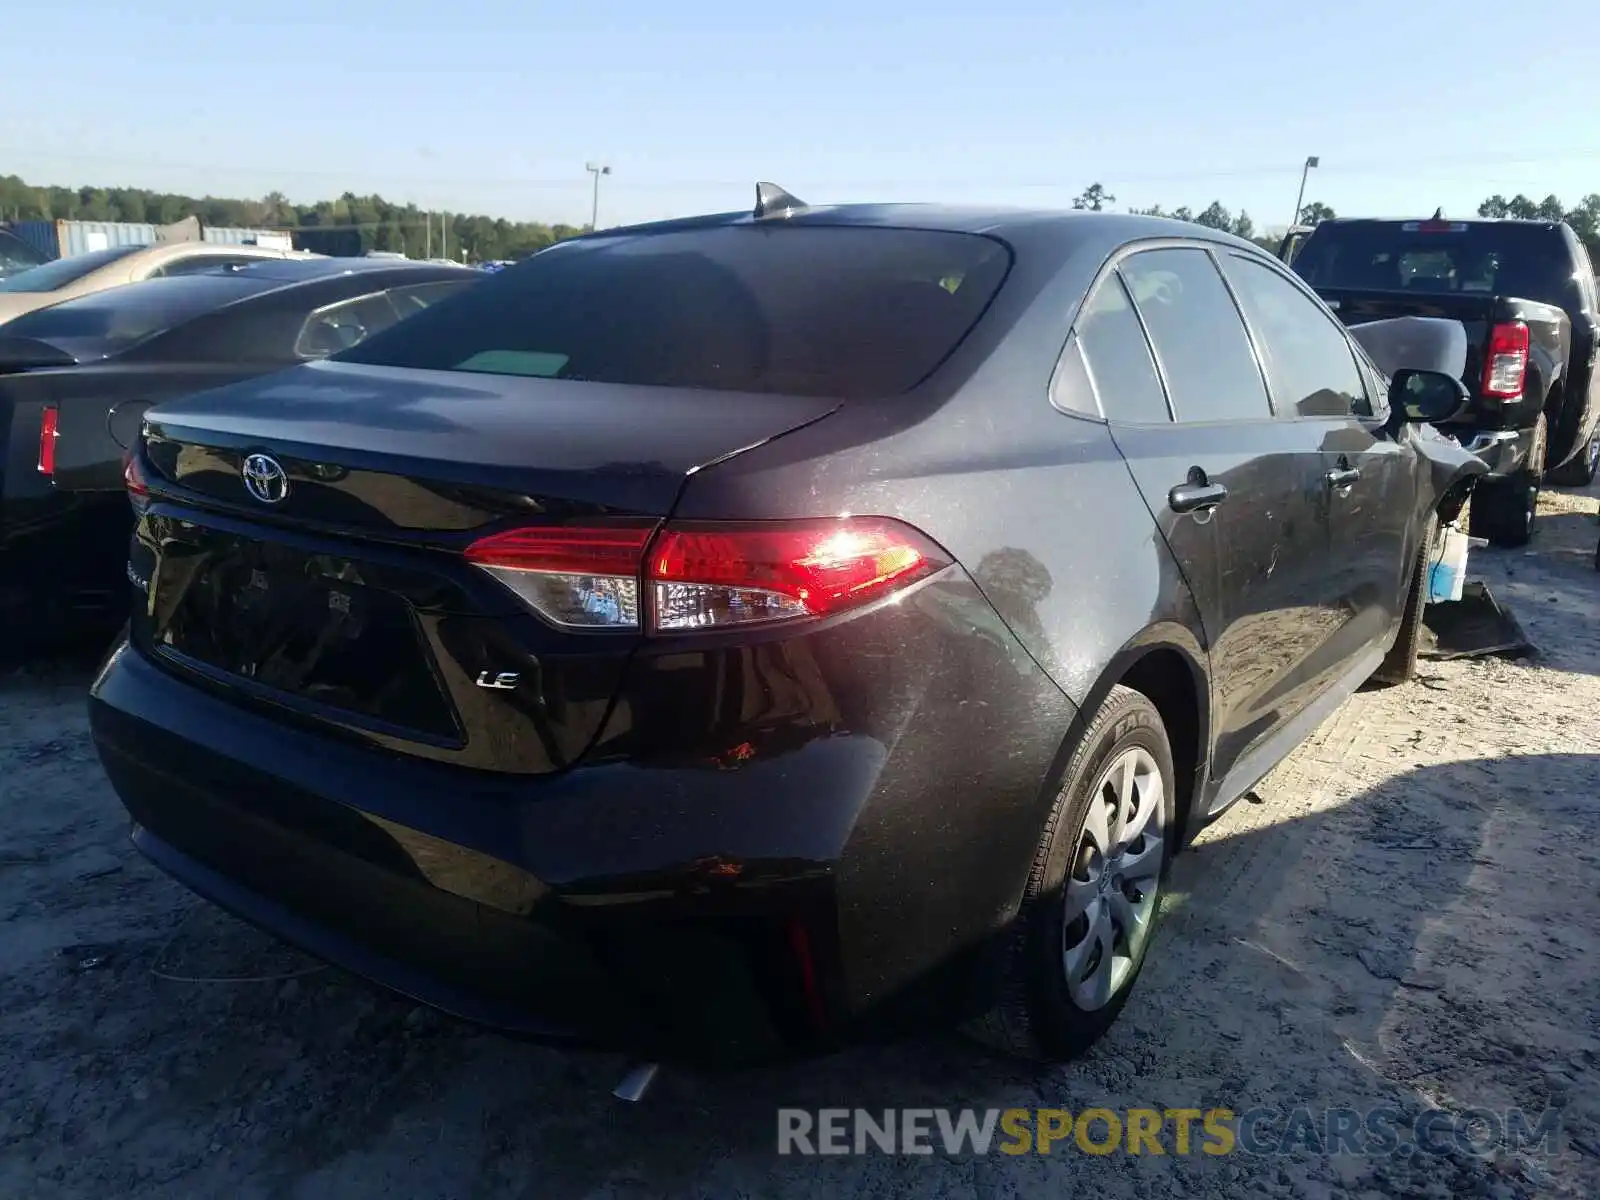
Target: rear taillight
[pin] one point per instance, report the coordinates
(47, 441)
(1505, 365)
(715, 575)
(133, 481)
(705, 575)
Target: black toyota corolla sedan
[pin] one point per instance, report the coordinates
(720, 638)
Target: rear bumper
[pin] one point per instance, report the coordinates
(310, 839)
(691, 911)
(326, 942)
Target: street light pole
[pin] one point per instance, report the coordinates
(597, 170)
(1299, 200)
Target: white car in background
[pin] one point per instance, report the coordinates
(66, 278)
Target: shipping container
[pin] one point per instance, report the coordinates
(337, 243)
(276, 239)
(63, 239)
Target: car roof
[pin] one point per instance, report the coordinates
(294, 270)
(163, 251)
(1065, 227)
(223, 287)
(1539, 221)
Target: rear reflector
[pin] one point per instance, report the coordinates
(1505, 365)
(47, 441)
(800, 946)
(705, 575)
(134, 483)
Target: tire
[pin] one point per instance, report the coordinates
(1400, 664)
(1040, 1015)
(1504, 510)
(1580, 471)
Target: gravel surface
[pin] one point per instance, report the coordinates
(1405, 914)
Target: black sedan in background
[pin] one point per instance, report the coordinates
(725, 637)
(16, 255)
(76, 378)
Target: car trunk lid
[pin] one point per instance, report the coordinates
(391, 450)
(347, 600)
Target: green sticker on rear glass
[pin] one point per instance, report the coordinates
(515, 362)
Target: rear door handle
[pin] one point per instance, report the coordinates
(1342, 478)
(1196, 497)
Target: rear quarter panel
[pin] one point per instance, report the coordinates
(1042, 515)
(1037, 506)
(101, 410)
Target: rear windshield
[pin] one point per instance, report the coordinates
(58, 274)
(832, 311)
(104, 323)
(1530, 261)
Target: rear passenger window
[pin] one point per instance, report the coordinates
(1307, 356)
(1071, 389)
(1199, 338)
(1118, 357)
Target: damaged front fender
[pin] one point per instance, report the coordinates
(1427, 344)
(1450, 470)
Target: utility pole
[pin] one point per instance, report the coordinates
(1299, 200)
(596, 170)
(444, 235)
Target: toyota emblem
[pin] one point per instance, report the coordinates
(265, 479)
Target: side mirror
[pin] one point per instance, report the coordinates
(1427, 397)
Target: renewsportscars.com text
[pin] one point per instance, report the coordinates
(1153, 1131)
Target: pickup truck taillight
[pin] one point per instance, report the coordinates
(47, 442)
(1506, 363)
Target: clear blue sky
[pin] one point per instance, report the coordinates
(494, 106)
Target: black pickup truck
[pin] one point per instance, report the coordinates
(1525, 293)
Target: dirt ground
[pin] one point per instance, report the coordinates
(1405, 914)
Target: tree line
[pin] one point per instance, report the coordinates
(352, 224)
(1215, 215)
(347, 225)
(1584, 217)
